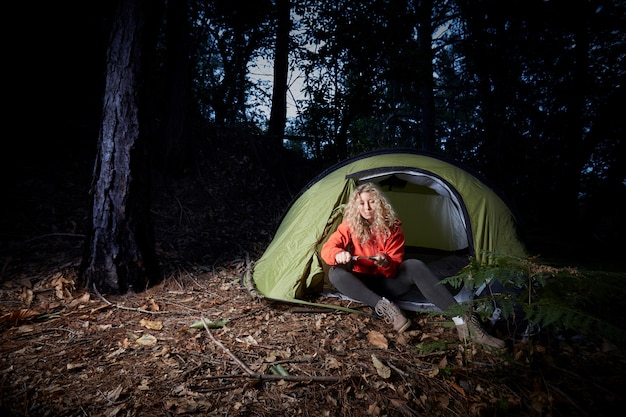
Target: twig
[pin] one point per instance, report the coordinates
(398, 370)
(140, 310)
(194, 310)
(228, 352)
(42, 331)
(595, 384)
(259, 376)
(568, 398)
(191, 277)
(55, 234)
(313, 310)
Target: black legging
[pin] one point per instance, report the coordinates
(370, 289)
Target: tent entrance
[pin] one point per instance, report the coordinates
(434, 217)
(435, 222)
(432, 212)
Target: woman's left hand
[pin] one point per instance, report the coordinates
(381, 260)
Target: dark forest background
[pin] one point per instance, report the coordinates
(528, 93)
(143, 146)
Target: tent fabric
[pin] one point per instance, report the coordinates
(444, 208)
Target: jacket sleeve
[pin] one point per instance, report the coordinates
(394, 250)
(336, 243)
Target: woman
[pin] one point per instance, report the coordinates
(367, 252)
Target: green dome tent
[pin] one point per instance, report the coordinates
(446, 212)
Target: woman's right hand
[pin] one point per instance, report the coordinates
(343, 258)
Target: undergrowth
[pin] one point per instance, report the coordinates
(563, 299)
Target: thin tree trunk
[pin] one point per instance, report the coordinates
(426, 83)
(120, 255)
(176, 153)
(278, 115)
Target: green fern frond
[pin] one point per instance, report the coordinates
(565, 298)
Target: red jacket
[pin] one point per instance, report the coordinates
(393, 247)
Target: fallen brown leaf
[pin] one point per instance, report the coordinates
(377, 339)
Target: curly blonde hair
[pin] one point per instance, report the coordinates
(385, 218)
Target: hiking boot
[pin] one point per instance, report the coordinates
(471, 330)
(392, 314)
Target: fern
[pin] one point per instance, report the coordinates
(562, 298)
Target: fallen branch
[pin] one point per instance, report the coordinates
(256, 375)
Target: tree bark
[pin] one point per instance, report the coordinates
(119, 255)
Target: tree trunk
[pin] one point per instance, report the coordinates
(176, 153)
(119, 254)
(426, 84)
(278, 116)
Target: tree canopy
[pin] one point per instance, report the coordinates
(524, 92)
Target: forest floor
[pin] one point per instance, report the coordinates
(67, 352)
